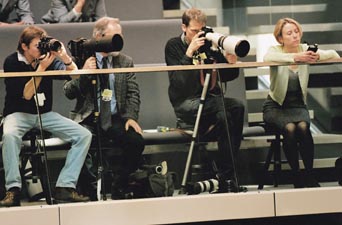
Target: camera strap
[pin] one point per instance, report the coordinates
(213, 77)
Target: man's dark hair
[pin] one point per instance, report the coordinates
(28, 34)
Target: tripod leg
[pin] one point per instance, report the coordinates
(49, 198)
(45, 170)
(100, 173)
(194, 135)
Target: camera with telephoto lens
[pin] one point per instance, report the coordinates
(81, 48)
(230, 44)
(211, 186)
(48, 44)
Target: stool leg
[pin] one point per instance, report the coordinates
(266, 166)
(277, 160)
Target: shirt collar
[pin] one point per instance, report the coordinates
(22, 58)
(183, 39)
(99, 58)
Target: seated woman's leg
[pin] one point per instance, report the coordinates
(306, 145)
(306, 149)
(290, 147)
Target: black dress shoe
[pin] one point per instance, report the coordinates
(298, 180)
(64, 195)
(12, 198)
(311, 182)
(118, 194)
(228, 186)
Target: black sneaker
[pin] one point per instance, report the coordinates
(64, 195)
(12, 198)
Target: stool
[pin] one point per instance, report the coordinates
(275, 153)
(33, 170)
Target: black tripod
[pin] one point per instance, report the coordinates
(100, 168)
(195, 132)
(41, 150)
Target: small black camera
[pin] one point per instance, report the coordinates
(47, 44)
(313, 48)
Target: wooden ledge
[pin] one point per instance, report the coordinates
(159, 68)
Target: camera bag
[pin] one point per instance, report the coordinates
(147, 183)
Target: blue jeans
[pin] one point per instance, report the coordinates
(17, 124)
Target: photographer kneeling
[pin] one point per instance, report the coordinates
(121, 92)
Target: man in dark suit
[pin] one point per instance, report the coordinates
(121, 92)
(22, 9)
(68, 11)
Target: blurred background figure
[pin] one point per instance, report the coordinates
(68, 11)
(22, 10)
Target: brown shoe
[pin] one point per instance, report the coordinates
(64, 195)
(12, 198)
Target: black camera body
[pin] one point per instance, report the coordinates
(81, 48)
(79, 52)
(48, 44)
(206, 48)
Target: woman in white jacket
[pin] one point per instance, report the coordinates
(285, 107)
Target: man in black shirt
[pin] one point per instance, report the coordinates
(185, 90)
(21, 115)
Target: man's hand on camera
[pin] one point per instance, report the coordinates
(232, 59)
(45, 62)
(196, 42)
(63, 55)
(90, 63)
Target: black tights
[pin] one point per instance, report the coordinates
(298, 138)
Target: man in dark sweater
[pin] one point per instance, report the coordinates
(185, 90)
(21, 105)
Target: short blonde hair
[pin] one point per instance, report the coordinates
(193, 14)
(279, 28)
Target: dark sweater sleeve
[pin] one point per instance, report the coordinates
(175, 55)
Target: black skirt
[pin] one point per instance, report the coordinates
(293, 110)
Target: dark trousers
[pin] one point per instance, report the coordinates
(216, 112)
(131, 143)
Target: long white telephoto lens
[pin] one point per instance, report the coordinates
(231, 44)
